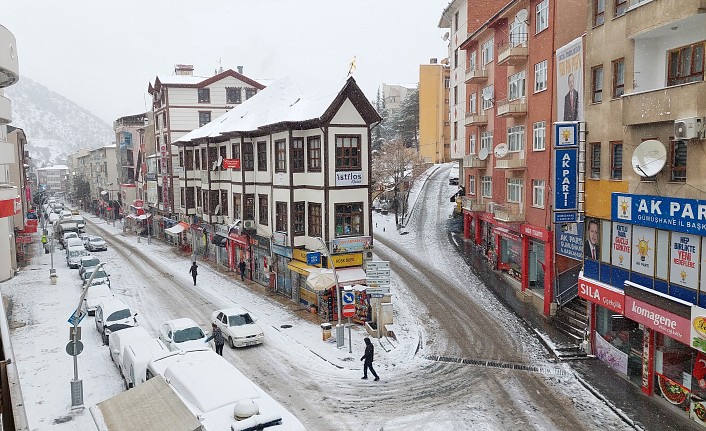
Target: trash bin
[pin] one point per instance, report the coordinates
(325, 331)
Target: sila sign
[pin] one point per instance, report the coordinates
(602, 295)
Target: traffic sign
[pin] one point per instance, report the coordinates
(382, 290)
(377, 265)
(348, 298)
(81, 315)
(74, 349)
(348, 310)
(377, 295)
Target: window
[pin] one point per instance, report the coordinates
(347, 152)
(542, 16)
(189, 159)
(539, 134)
(456, 21)
(455, 65)
(620, 7)
(263, 211)
(298, 219)
(262, 156)
(204, 117)
(349, 219)
(488, 97)
(281, 217)
(516, 138)
(472, 104)
(686, 64)
(248, 157)
(540, 76)
(447, 82)
(297, 154)
(281, 155)
(472, 185)
(597, 84)
(516, 84)
(636, 2)
(538, 193)
(314, 220)
(454, 101)
(487, 187)
(237, 203)
(514, 190)
(313, 148)
(677, 168)
(235, 154)
(595, 160)
(250, 92)
(486, 141)
(472, 61)
(598, 12)
(204, 95)
(518, 33)
(249, 209)
(618, 77)
(455, 131)
(486, 53)
(233, 95)
(616, 160)
(472, 143)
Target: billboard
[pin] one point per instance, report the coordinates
(569, 81)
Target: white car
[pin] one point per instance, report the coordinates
(87, 263)
(74, 255)
(95, 295)
(182, 334)
(238, 327)
(95, 243)
(101, 277)
(121, 339)
(113, 315)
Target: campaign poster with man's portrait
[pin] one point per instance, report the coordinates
(569, 81)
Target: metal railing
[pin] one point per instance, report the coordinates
(566, 286)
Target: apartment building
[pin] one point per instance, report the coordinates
(98, 169)
(266, 186)
(181, 103)
(644, 271)
(434, 139)
(54, 179)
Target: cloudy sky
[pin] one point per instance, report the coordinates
(103, 54)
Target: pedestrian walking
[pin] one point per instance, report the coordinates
(217, 337)
(241, 267)
(368, 358)
(194, 271)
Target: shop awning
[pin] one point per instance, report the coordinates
(353, 275)
(143, 216)
(300, 267)
(177, 228)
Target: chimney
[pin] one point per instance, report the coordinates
(240, 70)
(432, 60)
(184, 69)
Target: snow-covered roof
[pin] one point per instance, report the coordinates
(181, 79)
(54, 168)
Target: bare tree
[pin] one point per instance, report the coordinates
(395, 167)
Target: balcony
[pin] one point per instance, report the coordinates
(663, 13)
(514, 53)
(9, 63)
(476, 76)
(212, 218)
(7, 153)
(472, 161)
(473, 204)
(513, 160)
(511, 108)
(664, 104)
(5, 110)
(509, 212)
(475, 119)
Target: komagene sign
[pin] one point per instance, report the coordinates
(660, 320)
(663, 212)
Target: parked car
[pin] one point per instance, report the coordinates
(238, 327)
(79, 220)
(121, 339)
(53, 217)
(182, 334)
(87, 263)
(66, 236)
(74, 255)
(101, 277)
(96, 243)
(94, 296)
(136, 357)
(113, 315)
(73, 242)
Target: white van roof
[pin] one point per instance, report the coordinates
(111, 305)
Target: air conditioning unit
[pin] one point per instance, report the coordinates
(367, 255)
(249, 224)
(199, 210)
(689, 128)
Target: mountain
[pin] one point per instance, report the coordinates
(55, 126)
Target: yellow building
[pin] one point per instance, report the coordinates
(434, 138)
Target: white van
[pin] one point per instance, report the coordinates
(75, 253)
(136, 356)
(220, 395)
(117, 343)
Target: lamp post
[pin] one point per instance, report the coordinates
(340, 335)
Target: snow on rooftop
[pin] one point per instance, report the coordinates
(181, 79)
(54, 168)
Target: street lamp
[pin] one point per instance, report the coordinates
(339, 327)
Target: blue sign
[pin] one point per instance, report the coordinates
(313, 258)
(347, 298)
(565, 217)
(81, 315)
(662, 212)
(566, 179)
(566, 135)
(282, 250)
(569, 240)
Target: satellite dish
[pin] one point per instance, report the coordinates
(521, 15)
(483, 153)
(501, 150)
(446, 36)
(487, 93)
(649, 158)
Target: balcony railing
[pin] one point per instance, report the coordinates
(474, 76)
(473, 203)
(659, 105)
(509, 212)
(642, 19)
(513, 160)
(475, 119)
(472, 161)
(515, 51)
(511, 108)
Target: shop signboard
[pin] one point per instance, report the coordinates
(602, 294)
(661, 212)
(349, 178)
(231, 164)
(279, 238)
(569, 81)
(663, 321)
(643, 250)
(684, 259)
(620, 246)
(570, 240)
(698, 328)
(566, 179)
(282, 250)
(346, 260)
(351, 244)
(313, 258)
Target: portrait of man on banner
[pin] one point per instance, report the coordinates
(592, 247)
(569, 81)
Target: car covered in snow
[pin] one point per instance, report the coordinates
(101, 277)
(121, 339)
(136, 357)
(182, 334)
(238, 327)
(87, 263)
(95, 243)
(113, 315)
(94, 296)
(74, 255)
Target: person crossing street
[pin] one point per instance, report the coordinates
(194, 271)
(368, 357)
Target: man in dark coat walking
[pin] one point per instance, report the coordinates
(368, 357)
(217, 337)
(241, 267)
(194, 271)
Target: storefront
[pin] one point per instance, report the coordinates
(302, 262)
(510, 256)
(238, 248)
(176, 234)
(261, 257)
(281, 257)
(219, 240)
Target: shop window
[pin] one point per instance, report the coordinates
(263, 210)
(674, 364)
(349, 219)
(605, 235)
(314, 220)
(677, 161)
(619, 343)
(686, 64)
(662, 255)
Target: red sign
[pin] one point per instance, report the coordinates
(601, 294)
(535, 232)
(348, 310)
(231, 163)
(10, 207)
(663, 321)
(23, 239)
